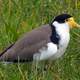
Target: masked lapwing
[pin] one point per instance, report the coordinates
(46, 42)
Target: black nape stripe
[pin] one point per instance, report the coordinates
(55, 38)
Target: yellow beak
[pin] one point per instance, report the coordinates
(72, 23)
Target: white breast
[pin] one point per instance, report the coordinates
(63, 31)
(46, 53)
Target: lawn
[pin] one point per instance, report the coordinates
(20, 16)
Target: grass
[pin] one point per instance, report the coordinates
(20, 16)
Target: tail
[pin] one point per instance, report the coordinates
(6, 49)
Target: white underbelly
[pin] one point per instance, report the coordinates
(51, 52)
(46, 53)
(62, 47)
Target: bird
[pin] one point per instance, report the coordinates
(48, 41)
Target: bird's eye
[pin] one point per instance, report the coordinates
(66, 20)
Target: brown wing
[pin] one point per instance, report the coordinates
(29, 44)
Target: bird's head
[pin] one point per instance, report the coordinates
(66, 18)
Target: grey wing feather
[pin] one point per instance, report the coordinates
(28, 44)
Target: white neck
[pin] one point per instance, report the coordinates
(61, 26)
(63, 30)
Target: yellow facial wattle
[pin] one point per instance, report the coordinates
(72, 23)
